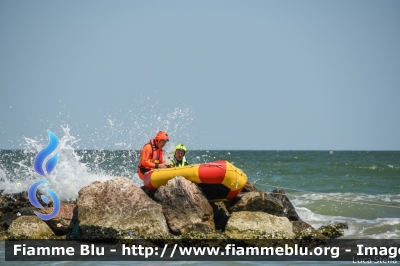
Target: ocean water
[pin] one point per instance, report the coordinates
(361, 188)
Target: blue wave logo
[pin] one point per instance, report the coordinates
(38, 166)
(51, 163)
(32, 198)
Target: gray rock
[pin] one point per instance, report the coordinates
(118, 209)
(289, 210)
(257, 201)
(30, 227)
(258, 225)
(334, 230)
(306, 232)
(184, 206)
(249, 187)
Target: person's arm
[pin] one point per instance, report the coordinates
(145, 157)
(162, 162)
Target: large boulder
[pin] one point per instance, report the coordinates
(30, 227)
(289, 210)
(118, 209)
(258, 225)
(185, 206)
(257, 201)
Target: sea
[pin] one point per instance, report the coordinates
(360, 188)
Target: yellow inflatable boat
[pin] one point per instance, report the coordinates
(219, 180)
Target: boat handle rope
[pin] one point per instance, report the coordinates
(226, 169)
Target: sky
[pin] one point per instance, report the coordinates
(234, 75)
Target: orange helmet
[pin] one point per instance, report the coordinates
(161, 135)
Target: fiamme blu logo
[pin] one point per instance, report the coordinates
(38, 165)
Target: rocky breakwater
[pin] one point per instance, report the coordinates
(118, 210)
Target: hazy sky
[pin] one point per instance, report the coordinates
(268, 75)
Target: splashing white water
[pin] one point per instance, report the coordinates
(70, 174)
(67, 178)
(136, 129)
